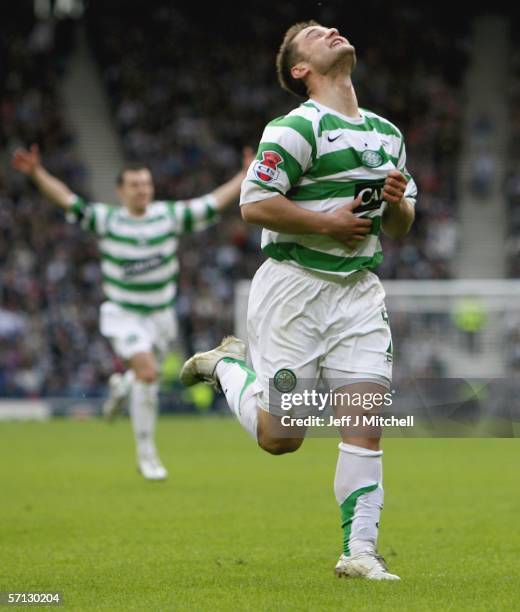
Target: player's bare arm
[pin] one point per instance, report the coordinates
(28, 162)
(228, 193)
(281, 215)
(399, 214)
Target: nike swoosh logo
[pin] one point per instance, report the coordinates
(333, 139)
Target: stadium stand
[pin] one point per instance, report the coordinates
(49, 279)
(512, 182)
(187, 105)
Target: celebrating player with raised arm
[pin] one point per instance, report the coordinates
(328, 177)
(138, 245)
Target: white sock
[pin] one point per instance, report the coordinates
(358, 487)
(124, 385)
(127, 378)
(143, 412)
(238, 383)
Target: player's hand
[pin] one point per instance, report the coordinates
(345, 227)
(248, 155)
(395, 185)
(26, 161)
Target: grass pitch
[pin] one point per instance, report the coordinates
(236, 529)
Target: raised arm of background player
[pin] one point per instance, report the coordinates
(29, 163)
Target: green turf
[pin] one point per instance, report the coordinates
(236, 529)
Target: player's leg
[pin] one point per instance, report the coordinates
(157, 332)
(358, 485)
(114, 323)
(282, 339)
(275, 438)
(359, 362)
(131, 339)
(119, 386)
(143, 413)
(245, 397)
(226, 367)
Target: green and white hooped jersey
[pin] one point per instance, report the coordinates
(139, 254)
(321, 160)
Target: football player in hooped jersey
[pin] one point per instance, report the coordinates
(138, 246)
(328, 177)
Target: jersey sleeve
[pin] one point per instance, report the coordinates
(194, 215)
(410, 192)
(90, 216)
(286, 150)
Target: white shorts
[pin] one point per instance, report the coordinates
(131, 332)
(317, 326)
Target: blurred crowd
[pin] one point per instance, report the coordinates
(512, 183)
(512, 194)
(188, 89)
(49, 277)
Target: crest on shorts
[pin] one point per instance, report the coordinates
(284, 380)
(266, 169)
(371, 159)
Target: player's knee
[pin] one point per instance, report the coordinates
(145, 368)
(146, 374)
(279, 446)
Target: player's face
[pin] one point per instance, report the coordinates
(136, 190)
(323, 48)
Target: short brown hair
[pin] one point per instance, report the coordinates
(288, 56)
(132, 166)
